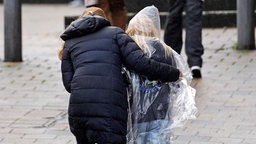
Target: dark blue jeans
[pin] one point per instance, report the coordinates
(193, 24)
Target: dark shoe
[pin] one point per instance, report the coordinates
(196, 72)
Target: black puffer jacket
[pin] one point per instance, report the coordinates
(94, 53)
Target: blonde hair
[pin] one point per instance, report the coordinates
(60, 51)
(144, 26)
(91, 11)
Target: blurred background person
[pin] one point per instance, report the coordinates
(115, 10)
(193, 39)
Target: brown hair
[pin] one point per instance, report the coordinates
(91, 11)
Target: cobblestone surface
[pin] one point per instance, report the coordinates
(33, 102)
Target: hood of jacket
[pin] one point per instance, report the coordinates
(83, 26)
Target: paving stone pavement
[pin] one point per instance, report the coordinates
(33, 102)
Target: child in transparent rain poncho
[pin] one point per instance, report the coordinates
(157, 107)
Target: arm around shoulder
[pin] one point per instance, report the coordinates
(134, 59)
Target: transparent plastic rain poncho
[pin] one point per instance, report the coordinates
(156, 107)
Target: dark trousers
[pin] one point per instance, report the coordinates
(193, 24)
